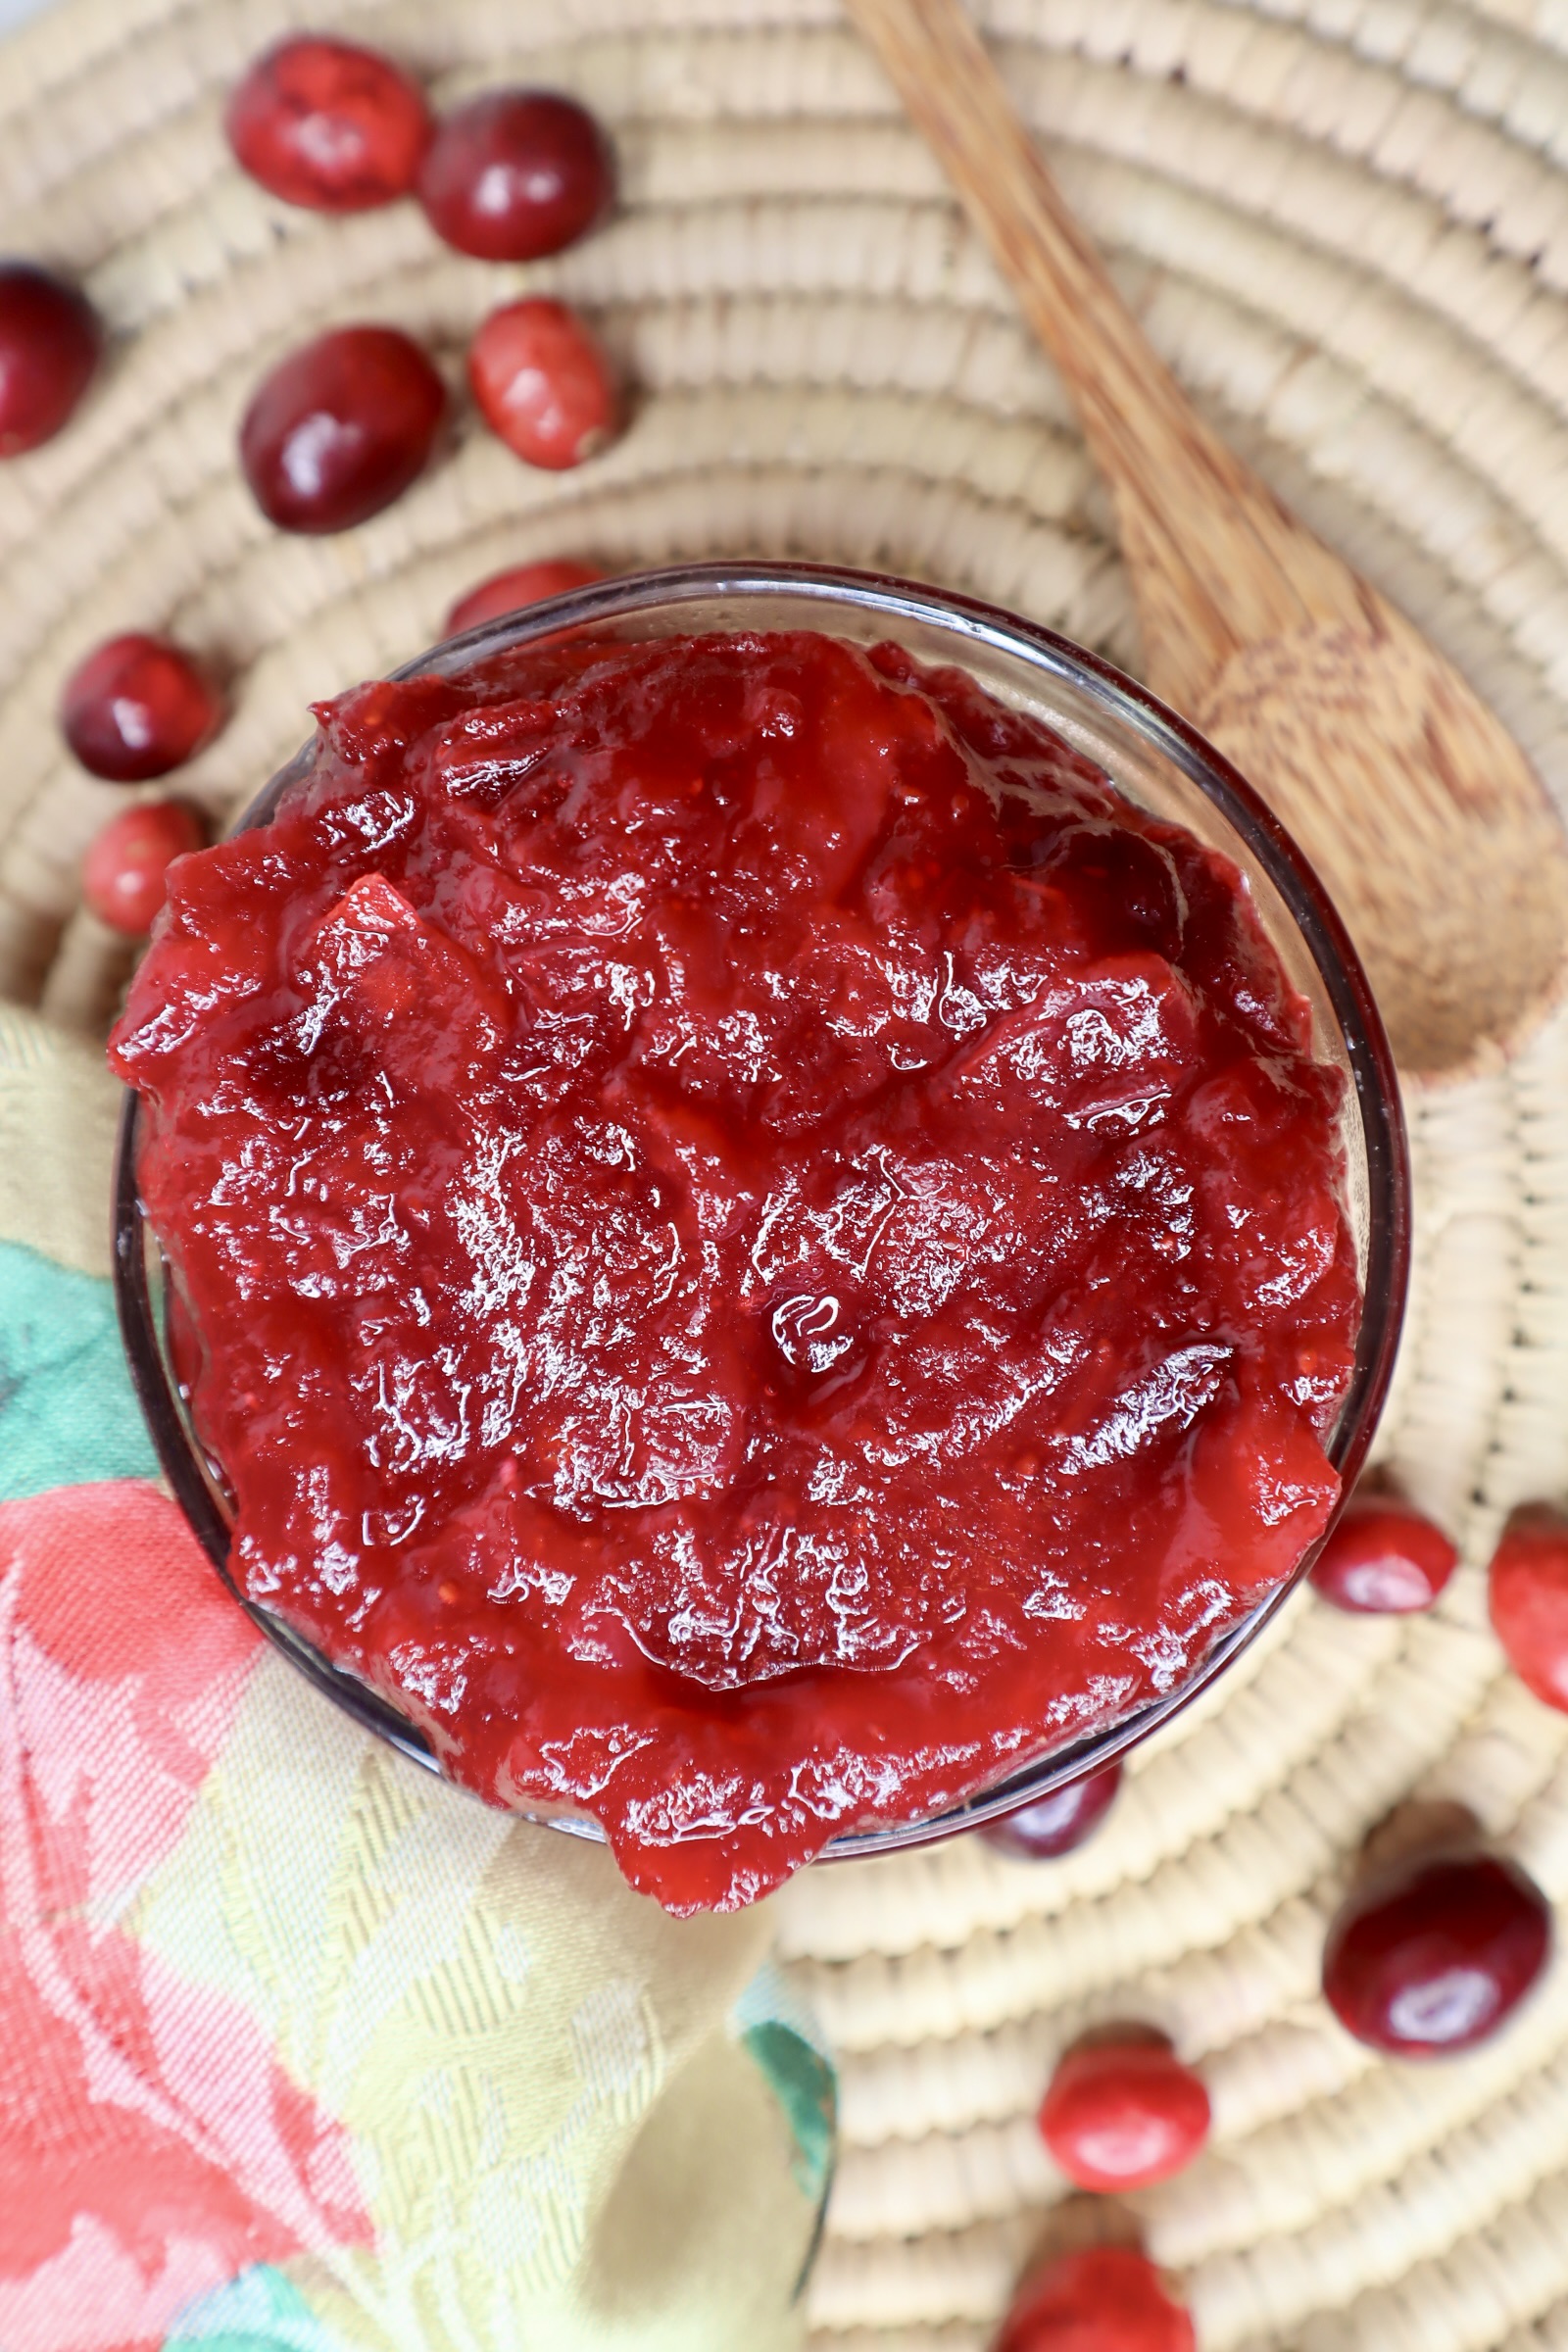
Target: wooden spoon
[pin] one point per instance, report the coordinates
(1433, 833)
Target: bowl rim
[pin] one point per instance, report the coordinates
(1340, 970)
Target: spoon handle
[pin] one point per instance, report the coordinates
(1187, 507)
(1417, 807)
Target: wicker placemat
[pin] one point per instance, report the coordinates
(1346, 223)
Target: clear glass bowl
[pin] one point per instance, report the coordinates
(1155, 759)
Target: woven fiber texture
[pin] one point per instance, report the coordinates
(1346, 223)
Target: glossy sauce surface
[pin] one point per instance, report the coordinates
(759, 1246)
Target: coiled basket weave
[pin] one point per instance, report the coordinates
(1346, 222)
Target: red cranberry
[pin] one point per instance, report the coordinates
(50, 340)
(328, 125)
(1527, 1584)
(1431, 1955)
(542, 383)
(516, 173)
(1383, 1557)
(340, 429)
(1105, 2299)
(125, 873)
(524, 584)
(137, 708)
(1054, 1824)
(1119, 2115)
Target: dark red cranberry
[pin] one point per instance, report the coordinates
(523, 584)
(340, 429)
(125, 873)
(1105, 2299)
(1119, 2115)
(137, 708)
(1528, 1590)
(542, 383)
(1430, 1955)
(1383, 1557)
(329, 125)
(50, 340)
(516, 173)
(1054, 1824)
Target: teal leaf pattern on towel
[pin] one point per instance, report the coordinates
(260, 2311)
(805, 2087)
(67, 1412)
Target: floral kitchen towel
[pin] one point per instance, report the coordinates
(302, 2050)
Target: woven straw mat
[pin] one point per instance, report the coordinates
(1346, 222)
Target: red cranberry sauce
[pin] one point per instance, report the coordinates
(767, 1248)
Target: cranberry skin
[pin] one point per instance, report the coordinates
(328, 125)
(1382, 1558)
(137, 708)
(1054, 1824)
(515, 175)
(542, 383)
(1527, 1594)
(1119, 2115)
(1105, 2299)
(340, 429)
(524, 584)
(1432, 1957)
(50, 340)
(124, 876)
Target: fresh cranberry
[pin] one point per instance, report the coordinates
(1383, 1557)
(329, 125)
(340, 429)
(1105, 2299)
(1119, 2115)
(137, 708)
(1054, 1824)
(1527, 1584)
(515, 175)
(542, 383)
(125, 873)
(50, 340)
(524, 584)
(1433, 1954)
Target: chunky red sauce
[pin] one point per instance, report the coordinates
(760, 1245)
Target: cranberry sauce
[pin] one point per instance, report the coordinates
(764, 1246)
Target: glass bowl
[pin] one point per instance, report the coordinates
(1155, 759)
